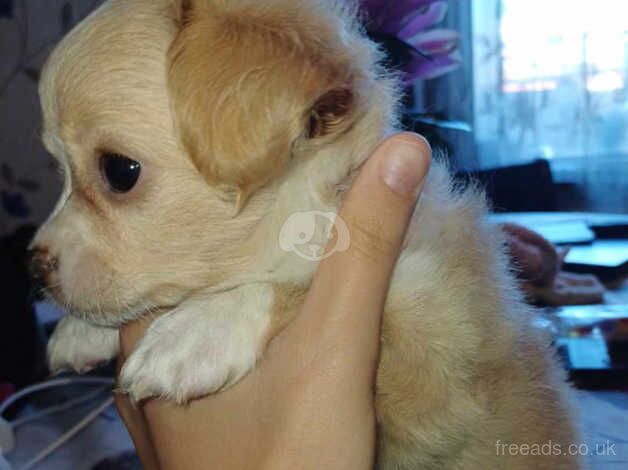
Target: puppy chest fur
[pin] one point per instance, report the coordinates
(189, 132)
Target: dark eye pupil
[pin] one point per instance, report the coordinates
(120, 172)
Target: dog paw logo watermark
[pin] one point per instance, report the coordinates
(308, 233)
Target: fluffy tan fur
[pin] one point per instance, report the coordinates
(263, 110)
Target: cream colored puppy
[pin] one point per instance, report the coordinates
(206, 145)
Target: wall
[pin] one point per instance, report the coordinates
(29, 181)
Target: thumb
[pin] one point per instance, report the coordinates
(376, 213)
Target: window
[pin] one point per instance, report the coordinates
(551, 81)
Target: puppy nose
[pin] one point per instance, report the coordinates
(41, 265)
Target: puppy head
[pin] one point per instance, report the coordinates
(169, 117)
(256, 84)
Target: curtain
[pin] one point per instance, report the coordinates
(551, 81)
(450, 97)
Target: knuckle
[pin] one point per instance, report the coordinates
(369, 239)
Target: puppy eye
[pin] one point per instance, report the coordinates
(120, 173)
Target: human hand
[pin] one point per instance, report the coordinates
(571, 289)
(309, 401)
(536, 259)
(539, 268)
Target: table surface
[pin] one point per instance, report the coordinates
(603, 414)
(539, 218)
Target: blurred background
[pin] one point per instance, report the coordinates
(529, 97)
(510, 81)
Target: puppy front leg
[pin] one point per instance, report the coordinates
(205, 345)
(80, 346)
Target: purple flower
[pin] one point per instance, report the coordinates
(429, 53)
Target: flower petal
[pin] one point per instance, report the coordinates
(373, 10)
(395, 15)
(421, 68)
(435, 13)
(435, 41)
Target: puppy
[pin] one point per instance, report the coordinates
(190, 133)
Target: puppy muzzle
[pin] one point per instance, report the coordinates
(41, 266)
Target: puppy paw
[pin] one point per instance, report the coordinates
(80, 346)
(178, 359)
(204, 346)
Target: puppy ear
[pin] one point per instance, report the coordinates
(330, 114)
(248, 80)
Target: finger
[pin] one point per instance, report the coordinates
(528, 258)
(526, 235)
(350, 287)
(137, 426)
(376, 213)
(132, 332)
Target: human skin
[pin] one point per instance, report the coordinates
(536, 258)
(539, 268)
(309, 403)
